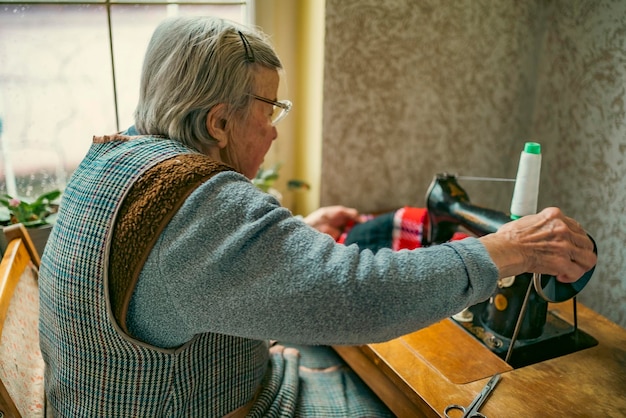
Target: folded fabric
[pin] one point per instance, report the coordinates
(373, 234)
(405, 228)
(408, 228)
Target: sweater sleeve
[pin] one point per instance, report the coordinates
(233, 261)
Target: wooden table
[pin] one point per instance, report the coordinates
(417, 375)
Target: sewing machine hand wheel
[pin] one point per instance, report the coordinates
(551, 290)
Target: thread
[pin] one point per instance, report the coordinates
(526, 191)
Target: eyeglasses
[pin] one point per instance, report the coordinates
(281, 108)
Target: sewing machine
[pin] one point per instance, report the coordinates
(556, 367)
(509, 316)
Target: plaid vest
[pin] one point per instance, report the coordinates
(93, 367)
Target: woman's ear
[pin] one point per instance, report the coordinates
(216, 124)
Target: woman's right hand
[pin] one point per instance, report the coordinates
(548, 242)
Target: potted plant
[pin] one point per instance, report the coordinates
(37, 216)
(266, 177)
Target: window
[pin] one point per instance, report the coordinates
(70, 71)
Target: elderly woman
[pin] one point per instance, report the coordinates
(168, 272)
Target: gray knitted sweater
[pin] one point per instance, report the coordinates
(233, 261)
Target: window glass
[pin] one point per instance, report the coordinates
(132, 28)
(57, 87)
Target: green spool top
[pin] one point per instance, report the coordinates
(532, 148)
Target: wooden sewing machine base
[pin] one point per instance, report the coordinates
(419, 374)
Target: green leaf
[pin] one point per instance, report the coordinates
(296, 184)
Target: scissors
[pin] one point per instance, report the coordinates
(472, 410)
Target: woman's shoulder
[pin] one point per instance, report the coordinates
(230, 188)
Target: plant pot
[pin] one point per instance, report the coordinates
(39, 235)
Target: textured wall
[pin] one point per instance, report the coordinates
(580, 113)
(416, 88)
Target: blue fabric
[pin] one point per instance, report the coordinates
(374, 234)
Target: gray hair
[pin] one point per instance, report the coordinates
(193, 64)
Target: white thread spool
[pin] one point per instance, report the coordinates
(524, 203)
(526, 191)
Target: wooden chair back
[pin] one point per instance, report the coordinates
(21, 364)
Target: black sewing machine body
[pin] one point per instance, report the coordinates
(542, 334)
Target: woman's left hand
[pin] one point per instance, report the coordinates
(332, 219)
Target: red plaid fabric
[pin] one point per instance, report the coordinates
(408, 228)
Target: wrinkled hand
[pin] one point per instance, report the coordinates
(332, 219)
(548, 243)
